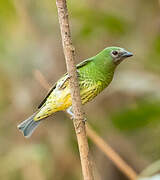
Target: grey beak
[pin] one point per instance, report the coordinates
(127, 54)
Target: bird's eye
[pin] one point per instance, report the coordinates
(115, 53)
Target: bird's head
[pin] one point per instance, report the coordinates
(116, 54)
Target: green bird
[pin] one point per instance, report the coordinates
(94, 75)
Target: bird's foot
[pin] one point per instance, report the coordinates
(70, 112)
(84, 120)
(72, 116)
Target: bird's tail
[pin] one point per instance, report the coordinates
(28, 126)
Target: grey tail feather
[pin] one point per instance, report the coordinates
(28, 126)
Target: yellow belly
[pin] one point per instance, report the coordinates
(60, 100)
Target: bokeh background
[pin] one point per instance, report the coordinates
(126, 114)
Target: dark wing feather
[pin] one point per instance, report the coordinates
(83, 63)
(49, 92)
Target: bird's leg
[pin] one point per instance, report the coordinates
(85, 120)
(70, 112)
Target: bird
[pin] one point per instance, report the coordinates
(94, 75)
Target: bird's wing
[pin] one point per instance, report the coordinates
(64, 79)
(49, 92)
(60, 85)
(83, 63)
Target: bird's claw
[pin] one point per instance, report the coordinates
(84, 120)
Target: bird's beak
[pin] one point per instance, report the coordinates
(127, 54)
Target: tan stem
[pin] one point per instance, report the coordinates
(74, 88)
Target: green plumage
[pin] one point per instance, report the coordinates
(94, 75)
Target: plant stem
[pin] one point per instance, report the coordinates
(111, 154)
(78, 121)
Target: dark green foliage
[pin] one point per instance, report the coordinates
(137, 116)
(105, 22)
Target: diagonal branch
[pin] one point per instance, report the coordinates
(74, 88)
(111, 154)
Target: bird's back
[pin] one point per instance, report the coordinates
(92, 81)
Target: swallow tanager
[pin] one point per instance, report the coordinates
(94, 75)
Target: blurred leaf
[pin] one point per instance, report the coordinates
(153, 60)
(151, 170)
(156, 177)
(137, 116)
(7, 11)
(107, 22)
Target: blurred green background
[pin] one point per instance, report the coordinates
(126, 115)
